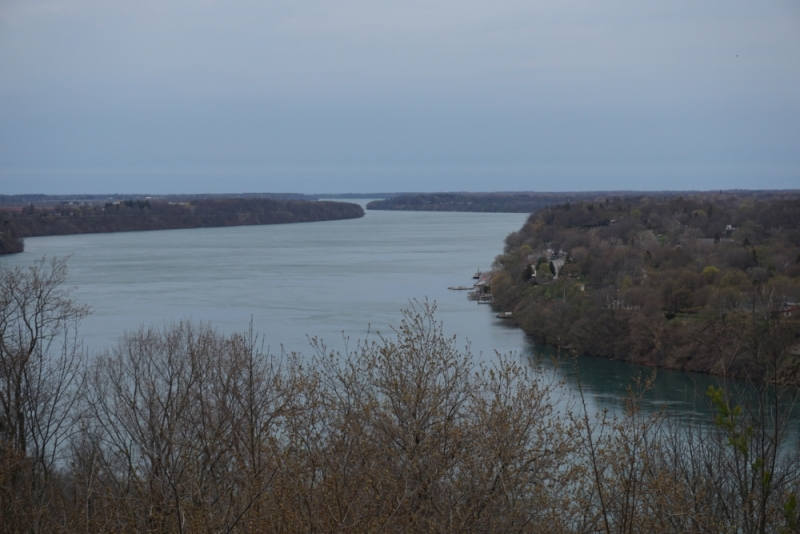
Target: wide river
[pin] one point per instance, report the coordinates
(334, 280)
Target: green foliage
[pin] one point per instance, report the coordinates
(728, 419)
(791, 514)
(710, 273)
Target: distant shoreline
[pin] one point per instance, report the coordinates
(144, 215)
(532, 201)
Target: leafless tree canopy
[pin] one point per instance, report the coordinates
(183, 429)
(40, 376)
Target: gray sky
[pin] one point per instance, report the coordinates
(168, 96)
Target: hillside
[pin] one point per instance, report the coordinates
(706, 283)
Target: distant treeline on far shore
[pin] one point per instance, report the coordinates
(95, 216)
(531, 201)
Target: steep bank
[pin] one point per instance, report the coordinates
(147, 215)
(708, 283)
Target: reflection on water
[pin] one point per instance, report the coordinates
(610, 382)
(607, 384)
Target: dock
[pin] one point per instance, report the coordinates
(480, 290)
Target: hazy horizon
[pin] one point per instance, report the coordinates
(226, 97)
(381, 194)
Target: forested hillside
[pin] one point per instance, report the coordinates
(704, 283)
(134, 215)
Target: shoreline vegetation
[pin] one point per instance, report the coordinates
(529, 202)
(706, 282)
(185, 429)
(100, 216)
(473, 202)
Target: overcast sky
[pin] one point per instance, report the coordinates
(168, 96)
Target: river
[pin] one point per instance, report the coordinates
(340, 281)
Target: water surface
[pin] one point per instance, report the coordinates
(320, 279)
(335, 280)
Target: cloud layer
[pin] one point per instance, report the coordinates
(352, 95)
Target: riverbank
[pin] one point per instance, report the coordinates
(145, 214)
(708, 284)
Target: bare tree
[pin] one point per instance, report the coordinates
(40, 360)
(416, 437)
(184, 429)
(181, 431)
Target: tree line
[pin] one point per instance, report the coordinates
(706, 283)
(183, 429)
(528, 202)
(136, 215)
(478, 202)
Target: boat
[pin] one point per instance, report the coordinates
(504, 315)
